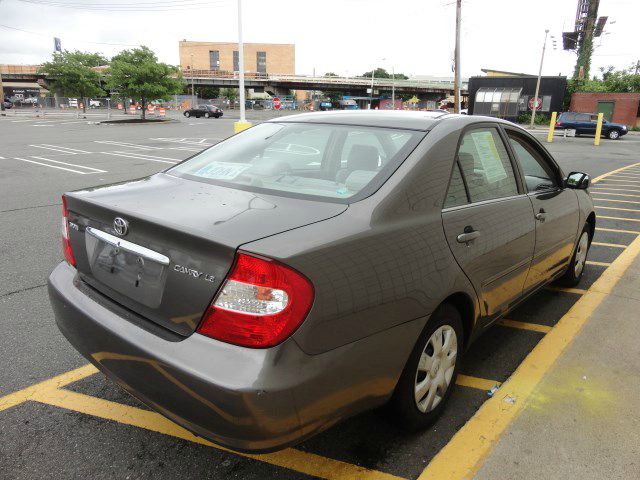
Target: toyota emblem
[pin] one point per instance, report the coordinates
(121, 226)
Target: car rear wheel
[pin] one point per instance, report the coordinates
(577, 266)
(613, 134)
(187, 114)
(430, 373)
(206, 115)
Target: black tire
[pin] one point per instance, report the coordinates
(613, 134)
(187, 114)
(403, 402)
(572, 277)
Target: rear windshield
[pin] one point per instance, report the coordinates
(332, 162)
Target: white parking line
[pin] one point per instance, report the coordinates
(57, 148)
(127, 145)
(97, 170)
(54, 166)
(152, 159)
(186, 149)
(144, 155)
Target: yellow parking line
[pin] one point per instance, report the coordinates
(290, 458)
(597, 264)
(615, 230)
(607, 185)
(613, 245)
(615, 200)
(464, 455)
(578, 291)
(611, 189)
(618, 208)
(620, 218)
(36, 390)
(534, 327)
(612, 172)
(621, 180)
(475, 382)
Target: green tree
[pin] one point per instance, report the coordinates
(136, 73)
(382, 73)
(230, 94)
(612, 81)
(209, 92)
(72, 75)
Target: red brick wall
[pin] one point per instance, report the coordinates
(625, 109)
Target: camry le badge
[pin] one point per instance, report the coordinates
(121, 226)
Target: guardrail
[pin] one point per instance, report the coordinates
(310, 79)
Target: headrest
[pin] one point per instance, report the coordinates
(363, 157)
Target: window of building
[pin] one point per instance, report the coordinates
(486, 166)
(214, 60)
(236, 61)
(497, 102)
(261, 62)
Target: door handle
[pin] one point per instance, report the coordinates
(541, 215)
(468, 236)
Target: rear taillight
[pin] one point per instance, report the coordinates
(260, 304)
(66, 244)
(558, 124)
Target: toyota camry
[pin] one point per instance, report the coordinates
(315, 266)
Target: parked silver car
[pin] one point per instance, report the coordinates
(315, 266)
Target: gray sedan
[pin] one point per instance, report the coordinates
(315, 266)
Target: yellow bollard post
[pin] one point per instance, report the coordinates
(240, 126)
(596, 142)
(552, 126)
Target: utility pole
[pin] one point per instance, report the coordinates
(635, 73)
(535, 98)
(193, 87)
(242, 124)
(456, 67)
(585, 49)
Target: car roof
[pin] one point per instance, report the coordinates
(420, 120)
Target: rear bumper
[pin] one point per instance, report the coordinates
(252, 400)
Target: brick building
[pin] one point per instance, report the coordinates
(221, 56)
(617, 107)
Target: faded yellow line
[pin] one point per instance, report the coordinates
(621, 180)
(618, 208)
(613, 245)
(597, 264)
(578, 291)
(611, 189)
(290, 458)
(615, 230)
(612, 172)
(607, 185)
(620, 218)
(463, 456)
(58, 381)
(475, 382)
(615, 200)
(534, 327)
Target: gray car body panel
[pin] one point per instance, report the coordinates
(379, 266)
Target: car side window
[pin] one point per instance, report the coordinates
(456, 194)
(583, 117)
(538, 175)
(485, 165)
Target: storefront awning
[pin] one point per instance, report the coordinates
(29, 85)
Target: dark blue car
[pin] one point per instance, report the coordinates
(585, 124)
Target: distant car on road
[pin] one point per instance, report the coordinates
(95, 103)
(586, 123)
(6, 104)
(205, 111)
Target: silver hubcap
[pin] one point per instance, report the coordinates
(435, 368)
(613, 135)
(581, 254)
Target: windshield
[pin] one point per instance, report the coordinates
(337, 162)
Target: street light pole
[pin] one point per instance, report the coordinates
(393, 88)
(193, 88)
(241, 63)
(456, 67)
(373, 72)
(535, 98)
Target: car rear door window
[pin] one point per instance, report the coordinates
(538, 175)
(456, 194)
(486, 165)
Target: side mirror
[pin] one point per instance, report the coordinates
(578, 180)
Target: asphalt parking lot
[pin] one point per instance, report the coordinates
(59, 418)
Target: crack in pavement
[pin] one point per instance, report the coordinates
(25, 289)
(30, 208)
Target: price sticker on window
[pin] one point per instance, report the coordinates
(222, 170)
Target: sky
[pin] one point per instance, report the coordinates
(348, 37)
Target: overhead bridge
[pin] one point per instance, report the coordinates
(272, 82)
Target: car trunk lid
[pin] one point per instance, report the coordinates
(180, 240)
